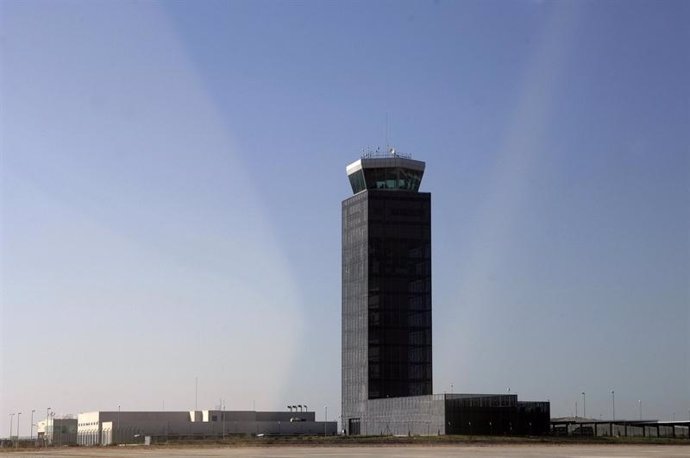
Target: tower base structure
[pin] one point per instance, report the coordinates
(444, 414)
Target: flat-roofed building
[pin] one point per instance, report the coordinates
(124, 427)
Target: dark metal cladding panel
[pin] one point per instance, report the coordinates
(399, 294)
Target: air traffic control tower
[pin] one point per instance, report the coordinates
(386, 256)
(386, 316)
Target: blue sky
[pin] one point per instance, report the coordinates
(172, 175)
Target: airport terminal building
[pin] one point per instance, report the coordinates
(386, 316)
(115, 427)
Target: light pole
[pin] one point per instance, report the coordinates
(639, 405)
(325, 419)
(45, 431)
(584, 405)
(222, 405)
(31, 433)
(613, 404)
(11, 418)
(117, 435)
(17, 443)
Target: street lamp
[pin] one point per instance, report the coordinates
(117, 435)
(18, 414)
(613, 404)
(639, 404)
(584, 405)
(325, 419)
(45, 431)
(11, 418)
(31, 433)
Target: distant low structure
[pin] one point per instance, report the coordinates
(57, 431)
(579, 426)
(113, 427)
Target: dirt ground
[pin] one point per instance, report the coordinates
(400, 451)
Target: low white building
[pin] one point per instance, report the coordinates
(113, 427)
